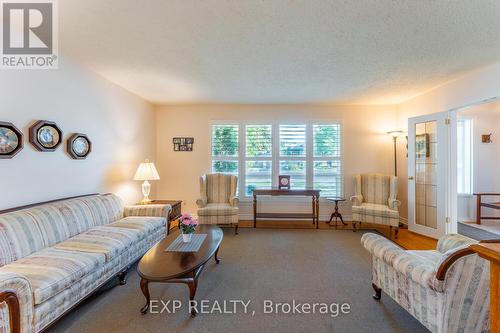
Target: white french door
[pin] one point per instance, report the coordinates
(431, 177)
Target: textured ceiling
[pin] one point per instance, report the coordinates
(255, 51)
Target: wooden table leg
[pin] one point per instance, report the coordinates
(478, 209)
(217, 260)
(317, 212)
(145, 292)
(192, 284)
(314, 209)
(254, 211)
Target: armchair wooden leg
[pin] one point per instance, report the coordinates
(236, 229)
(354, 226)
(396, 230)
(378, 292)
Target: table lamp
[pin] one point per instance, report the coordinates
(146, 171)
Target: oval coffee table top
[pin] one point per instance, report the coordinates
(159, 265)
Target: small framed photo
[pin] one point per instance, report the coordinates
(183, 144)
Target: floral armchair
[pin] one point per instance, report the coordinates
(446, 289)
(218, 203)
(375, 200)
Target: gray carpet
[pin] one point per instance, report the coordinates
(258, 264)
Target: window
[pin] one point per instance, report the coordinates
(258, 157)
(309, 152)
(293, 154)
(225, 148)
(464, 155)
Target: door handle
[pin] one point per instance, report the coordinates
(410, 178)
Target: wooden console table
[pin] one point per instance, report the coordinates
(283, 192)
(490, 250)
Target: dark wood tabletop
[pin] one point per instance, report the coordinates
(159, 265)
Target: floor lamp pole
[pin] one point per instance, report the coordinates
(395, 138)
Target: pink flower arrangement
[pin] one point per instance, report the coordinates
(187, 223)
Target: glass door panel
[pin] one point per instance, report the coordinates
(427, 162)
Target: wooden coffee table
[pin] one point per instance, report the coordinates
(157, 265)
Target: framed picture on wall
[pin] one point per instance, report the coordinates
(422, 146)
(183, 144)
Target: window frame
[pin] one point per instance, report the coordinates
(470, 176)
(275, 156)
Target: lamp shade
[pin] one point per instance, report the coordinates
(146, 171)
(395, 133)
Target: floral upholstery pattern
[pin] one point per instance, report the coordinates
(375, 199)
(218, 203)
(80, 243)
(460, 303)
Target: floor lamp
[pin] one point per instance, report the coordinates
(395, 135)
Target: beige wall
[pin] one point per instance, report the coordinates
(366, 148)
(120, 125)
(476, 86)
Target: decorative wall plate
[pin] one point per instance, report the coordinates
(11, 140)
(78, 146)
(45, 135)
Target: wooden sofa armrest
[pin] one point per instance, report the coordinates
(10, 298)
(16, 294)
(446, 264)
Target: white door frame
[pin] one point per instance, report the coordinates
(446, 174)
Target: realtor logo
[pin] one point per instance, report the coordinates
(29, 34)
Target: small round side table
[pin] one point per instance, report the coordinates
(336, 213)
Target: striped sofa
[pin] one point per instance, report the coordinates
(218, 203)
(375, 200)
(53, 255)
(446, 289)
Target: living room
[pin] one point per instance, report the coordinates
(254, 166)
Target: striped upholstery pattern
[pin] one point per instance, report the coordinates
(145, 225)
(220, 187)
(104, 208)
(218, 203)
(453, 241)
(20, 285)
(148, 210)
(52, 255)
(375, 200)
(218, 219)
(375, 213)
(375, 188)
(76, 215)
(218, 209)
(460, 303)
(19, 236)
(50, 271)
(109, 241)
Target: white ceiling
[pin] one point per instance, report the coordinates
(280, 51)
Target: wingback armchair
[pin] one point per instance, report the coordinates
(446, 289)
(218, 203)
(374, 200)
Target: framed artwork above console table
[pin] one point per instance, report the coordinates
(314, 215)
